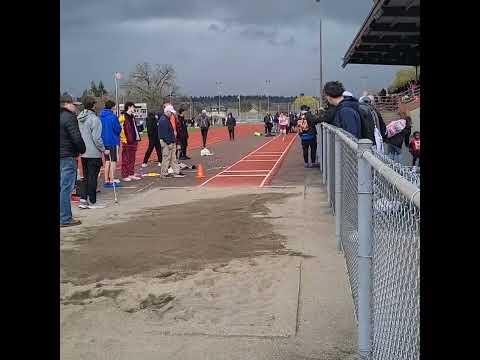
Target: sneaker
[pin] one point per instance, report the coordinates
(72, 222)
(179, 175)
(144, 165)
(97, 206)
(307, 166)
(83, 204)
(126, 179)
(116, 181)
(133, 177)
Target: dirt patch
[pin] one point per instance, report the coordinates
(186, 236)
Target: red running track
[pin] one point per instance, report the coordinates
(257, 168)
(215, 135)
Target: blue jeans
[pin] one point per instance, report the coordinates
(68, 176)
(395, 153)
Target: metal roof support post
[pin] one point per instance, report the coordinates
(365, 239)
(338, 191)
(324, 155)
(329, 166)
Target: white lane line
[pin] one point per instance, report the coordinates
(253, 152)
(245, 175)
(257, 160)
(279, 159)
(246, 171)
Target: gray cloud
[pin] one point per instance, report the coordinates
(241, 43)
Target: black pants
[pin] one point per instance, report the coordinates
(414, 160)
(183, 147)
(231, 133)
(204, 132)
(88, 186)
(153, 143)
(312, 144)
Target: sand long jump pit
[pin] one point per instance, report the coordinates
(205, 263)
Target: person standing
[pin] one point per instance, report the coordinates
(91, 130)
(167, 136)
(153, 141)
(283, 122)
(275, 123)
(415, 148)
(231, 123)
(396, 141)
(268, 124)
(204, 124)
(308, 134)
(111, 130)
(347, 113)
(182, 135)
(71, 146)
(129, 139)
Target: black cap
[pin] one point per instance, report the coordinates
(128, 104)
(67, 99)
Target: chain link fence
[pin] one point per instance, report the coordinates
(381, 242)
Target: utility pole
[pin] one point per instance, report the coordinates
(117, 76)
(219, 83)
(321, 53)
(267, 84)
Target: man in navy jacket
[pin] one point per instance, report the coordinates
(167, 136)
(347, 114)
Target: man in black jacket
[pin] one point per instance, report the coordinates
(182, 135)
(71, 146)
(153, 140)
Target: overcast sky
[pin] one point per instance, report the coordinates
(238, 42)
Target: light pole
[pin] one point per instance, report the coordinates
(117, 76)
(321, 53)
(219, 83)
(239, 108)
(267, 84)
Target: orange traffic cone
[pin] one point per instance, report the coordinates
(200, 173)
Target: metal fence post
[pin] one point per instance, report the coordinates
(320, 146)
(324, 155)
(365, 237)
(329, 167)
(338, 191)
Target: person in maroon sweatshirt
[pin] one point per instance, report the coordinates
(129, 141)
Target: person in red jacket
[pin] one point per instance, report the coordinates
(414, 148)
(129, 142)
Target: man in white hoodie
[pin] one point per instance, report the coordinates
(91, 130)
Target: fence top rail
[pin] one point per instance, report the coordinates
(408, 189)
(345, 138)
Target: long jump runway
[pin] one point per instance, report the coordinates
(256, 168)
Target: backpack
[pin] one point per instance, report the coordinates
(367, 122)
(395, 127)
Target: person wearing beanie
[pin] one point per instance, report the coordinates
(168, 142)
(71, 145)
(91, 130)
(204, 122)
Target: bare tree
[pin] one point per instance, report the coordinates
(151, 85)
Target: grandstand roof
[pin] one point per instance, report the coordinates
(390, 35)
